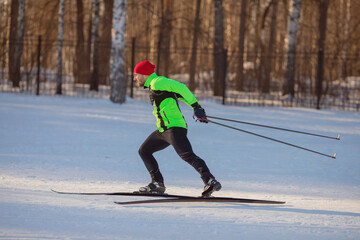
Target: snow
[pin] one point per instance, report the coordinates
(77, 144)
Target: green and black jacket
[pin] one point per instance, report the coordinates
(164, 95)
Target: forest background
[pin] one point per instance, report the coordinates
(262, 52)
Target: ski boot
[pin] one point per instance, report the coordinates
(154, 187)
(211, 186)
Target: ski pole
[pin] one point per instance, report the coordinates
(272, 139)
(277, 128)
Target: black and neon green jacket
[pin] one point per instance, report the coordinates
(164, 95)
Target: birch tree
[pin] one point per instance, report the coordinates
(118, 76)
(60, 42)
(293, 26)
(19, 45)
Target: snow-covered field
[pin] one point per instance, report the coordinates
(74, 144)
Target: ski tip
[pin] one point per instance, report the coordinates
(338, 137)
(333, 156)
(54, 191)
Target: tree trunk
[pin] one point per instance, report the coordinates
(94, 83)
(82, 68)
(270, 49)
(192, 84)
(219, 60)
(60, 42)
(14, 14)
(19, 45)
(289, 86)
(164, 40)
(4, 38)
(118, 76)
(261, 73)
(89, 44)
(255, 84)
(240, 66)
(346, 23)
(323, 8)
(105, 42)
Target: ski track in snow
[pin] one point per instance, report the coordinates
(90, 145)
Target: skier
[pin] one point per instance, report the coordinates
(171, 127)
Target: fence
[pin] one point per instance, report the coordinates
(38, 75)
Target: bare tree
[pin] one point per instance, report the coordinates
(189, 31)
(323, 9)
(105, 42)
(60, 46)
(346, 23)
(262, 40)
(219, 59)
(82, 67)
(118, 76)
(192, 62)
(3, 36)
(14, 15)
(94, 82)
(291, 51)
(19, 45)
(240, 66)
(90, 40)
(164, 40)
(270, 49)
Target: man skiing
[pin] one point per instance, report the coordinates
(171, 127)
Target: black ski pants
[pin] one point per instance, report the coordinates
(175, 136)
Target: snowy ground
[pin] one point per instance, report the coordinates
(73, 144)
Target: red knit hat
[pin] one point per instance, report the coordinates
(144, 68)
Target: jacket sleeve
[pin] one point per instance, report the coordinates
(182, 91)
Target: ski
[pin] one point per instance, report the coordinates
(125, 194)
(201, 199)
(168, 198)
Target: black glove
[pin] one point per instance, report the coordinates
(199, 113)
